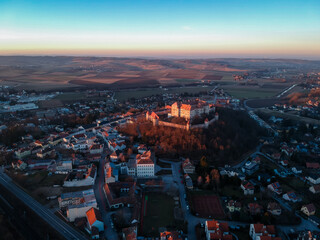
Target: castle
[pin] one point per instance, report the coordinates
(190, 110)
(187, 111)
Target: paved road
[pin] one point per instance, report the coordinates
(63, 228)
(110, 233)
(191, 219)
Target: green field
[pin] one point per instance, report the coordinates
(290, 115)
(250, 92)
(71, 96)
(140, 93)
(181, 80)
(158, 213)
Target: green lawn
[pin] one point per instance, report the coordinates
(159, 213)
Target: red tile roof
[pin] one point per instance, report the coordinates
(93, 215)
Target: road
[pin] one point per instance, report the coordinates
(286, 90)
(59, 225)
(191, 219)
(109, 232)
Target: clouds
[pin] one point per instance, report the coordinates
(187, 28)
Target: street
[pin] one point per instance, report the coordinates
(109, 232)
(59, 225)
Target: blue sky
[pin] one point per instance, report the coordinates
(161, 28)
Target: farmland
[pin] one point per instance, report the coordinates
(250, 92)
(53, 73)
(135, 93)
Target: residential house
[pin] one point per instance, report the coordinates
(41, 164)
(254, 209)
(250, 167)
(64, 166)
(284, 162)
(132, 167)
(55, 140)
(170, 235)
(23, 152)
(274, 208)
(314, 178)
(229, 171)
(19, 165)
(247, 187)
(73, 198)
(217, 230)
(291, 196)
(120, 194)
(36, 149)
(315, 188)
(233, 206)
(260, 230)
(96, 149)
(77, 203)
(188, 167)
(296, 170)
(45, 152)
(115, 145)
(275, 187)
(309, 209)
(81, 178)
(94, 220)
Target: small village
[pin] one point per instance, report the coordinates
(103, 182)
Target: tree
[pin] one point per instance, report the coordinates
(203, 162)
(199, 181)
(215, 176)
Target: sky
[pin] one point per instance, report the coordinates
(161, 28)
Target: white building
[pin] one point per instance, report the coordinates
(77, 203)
(258, 230)
(145, 165)
(64, 166)
(79, 179)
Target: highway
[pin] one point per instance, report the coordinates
(63, 228)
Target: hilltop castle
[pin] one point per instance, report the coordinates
(187, 111)
(190, 110)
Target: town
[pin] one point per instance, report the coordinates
(153, 168)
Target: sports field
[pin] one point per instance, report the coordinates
(157, 211)
(208, 206)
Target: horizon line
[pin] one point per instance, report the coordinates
(163, 57)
